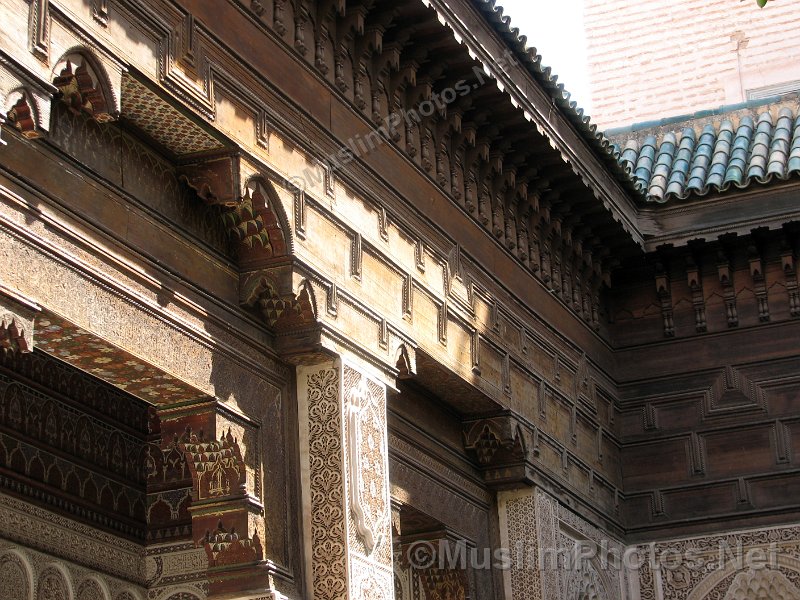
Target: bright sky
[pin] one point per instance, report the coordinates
(555, 29)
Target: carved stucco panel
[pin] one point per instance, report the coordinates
(326, 489)
(522, 539)
(547, 535)
(716, 567)
(343, 413)
(367, 465)
(16, 578)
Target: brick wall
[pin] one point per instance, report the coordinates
(650, 59)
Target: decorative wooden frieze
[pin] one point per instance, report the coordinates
(664, 294)
(697, 454)
(584, 388)
(543, 393)
(356, 257)
(383, 334)
(789, 267)
(408, 297)
(332, 300)
(725, 273)
(299, 212)
(506, 374)
(475, 352)
(383, 223)
(263, 129)
(100, 12)
(657, 509)
(734, 392)
(600, 444)
(783, 443)
(694, 279)
(743, 497)
(419, 255)
(186, 44)
(756, 263)
(649, 417)
(214, 178)
(441, 321)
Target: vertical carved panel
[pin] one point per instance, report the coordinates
(327, 493)
(520, 516)
(367, 473)
(344, 422)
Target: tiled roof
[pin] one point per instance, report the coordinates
(597, 141)
(684, 164)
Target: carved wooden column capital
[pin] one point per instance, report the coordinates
(504, 446)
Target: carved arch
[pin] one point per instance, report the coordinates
(183, 594)
(89, 584)
(24, 113)
(259, 224)
(128, 594)
(20, 563)
(84, 85)
(54, 582)
(703, 589)
(281, 308)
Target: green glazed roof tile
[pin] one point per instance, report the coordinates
(684, 165)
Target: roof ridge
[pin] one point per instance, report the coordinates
(697, 115)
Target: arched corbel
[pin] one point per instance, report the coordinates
(405, 361)
(84, 85)
(290, 314)
(16, 321)
(259, 225)
(504, 447)
(281, 310)
(23, 112)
